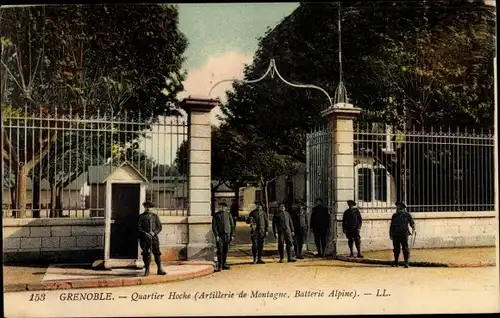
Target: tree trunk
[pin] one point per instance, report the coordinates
(53, 199)
(58, 202)
(35, 203)
(13, 197)
(266, 195)
(22, 176)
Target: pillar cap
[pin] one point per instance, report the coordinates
(342, 110)
(199, 103)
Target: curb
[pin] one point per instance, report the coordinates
(108, 282)
(414, 264)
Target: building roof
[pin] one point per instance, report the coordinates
(77, 184)
(99, 174)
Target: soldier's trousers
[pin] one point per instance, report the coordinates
(150, 245)
(285, 238)
(222, 246)
(300, 238)
(320, 238)
(353, 238)
(257, 245)
(398, 242)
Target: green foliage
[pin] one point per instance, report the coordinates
(119, 62)
(432, 66)
(237, 160)
(110, 58)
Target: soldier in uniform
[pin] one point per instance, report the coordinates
(223, 227)
(283, 230)
(320, 225)
(351, 225)
(399, 232)
(149, 226)
(301, 226)
(259, 225)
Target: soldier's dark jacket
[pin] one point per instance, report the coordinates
(282, 222)
(222, 224)
(320, 219)
(299, 217)
(399, 223)
(149, 222)
(352, 219)
(259, 221)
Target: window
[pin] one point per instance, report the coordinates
(372, 184)
(365, 184)
(380, 184)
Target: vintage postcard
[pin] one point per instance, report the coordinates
(249, 158)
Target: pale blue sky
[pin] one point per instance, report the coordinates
(222, 39)
(213, 28)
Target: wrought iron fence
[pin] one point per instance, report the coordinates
(57, 166)
(431, 171)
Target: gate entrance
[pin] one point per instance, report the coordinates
(319, 181)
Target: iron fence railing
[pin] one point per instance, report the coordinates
(55, 167)
(431, 171)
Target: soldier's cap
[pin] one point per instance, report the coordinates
(258, 203)
(319, 199)
(401, 204)
(351, 202)
(148, 204)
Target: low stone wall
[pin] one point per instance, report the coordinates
(78, 239)
(52, 240)
(433, 230)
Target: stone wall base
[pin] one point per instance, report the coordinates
(51, 257)
(369, 244)
(200, 251)
(174, 253)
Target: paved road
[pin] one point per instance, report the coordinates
(413, 290)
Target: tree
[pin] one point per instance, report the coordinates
(236, 161)
(305, 49)
(433, 66)
(84, 60)
(228, 165)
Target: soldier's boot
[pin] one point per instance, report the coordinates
(396, 261)
(254, 254)
(289, 253)
(299, 252)
(281, 252)
(147, 262)
(351, 249)
(406, 261)
(160, 270)
(358, 247)
(259, 257)
(225, 266)
(218, 268)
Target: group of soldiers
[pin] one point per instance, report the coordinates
(290, 230)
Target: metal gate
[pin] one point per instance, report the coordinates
(319, 179)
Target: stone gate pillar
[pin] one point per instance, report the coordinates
(200, 241)
(341, 122)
